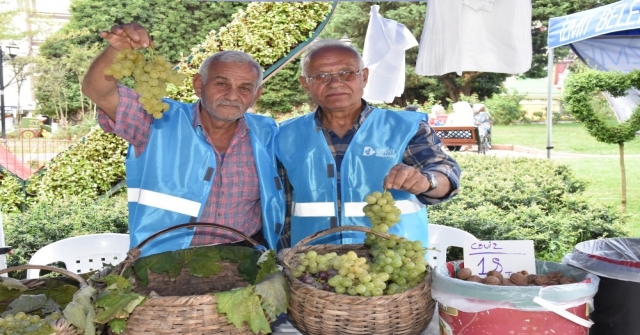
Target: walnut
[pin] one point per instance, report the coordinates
(507, 282)
(475, 279)
(554, 275)
(567, 280)
(518, 279)
(491, 280)
(531, 278)
(541, 280)
(464, 273)
(524, 272)
(494, 273)
(553, 282)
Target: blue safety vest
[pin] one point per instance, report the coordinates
(169, 184)
(378, 145)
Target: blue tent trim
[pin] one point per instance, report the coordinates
(620, 16)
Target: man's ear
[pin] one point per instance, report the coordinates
(365, 76)
(197, 84)
(304, 83)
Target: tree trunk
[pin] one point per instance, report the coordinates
(451, 86)
(81, 95)
(467, 80)
(623, 180)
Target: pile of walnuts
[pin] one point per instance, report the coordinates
(522, 278)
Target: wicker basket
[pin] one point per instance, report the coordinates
(184, 306)
(62, 326)
(315, 311)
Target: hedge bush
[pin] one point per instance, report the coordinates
(526, 199)
(47, 222)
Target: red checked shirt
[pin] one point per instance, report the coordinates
(234, 200)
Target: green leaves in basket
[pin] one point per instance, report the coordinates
(54, 288)
(268, 265)
(117, 325)
(274, 294)
(116, 302)
(255, 305)
(13, 284)
(243, 305)
(117, 305)
(26, 303)
(80, 312)
(201, 262)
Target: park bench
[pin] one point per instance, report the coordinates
(460, 135)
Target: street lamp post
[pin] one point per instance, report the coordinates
(12, 54)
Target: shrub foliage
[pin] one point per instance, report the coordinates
(526, 199)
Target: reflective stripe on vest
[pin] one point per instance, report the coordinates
(164, 201)
(351, 209)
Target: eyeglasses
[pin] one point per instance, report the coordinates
(325, 78)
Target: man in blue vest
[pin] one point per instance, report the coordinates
(207, 162)
(332, 158)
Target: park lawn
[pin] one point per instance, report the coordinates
(565, 137)
(601, 173)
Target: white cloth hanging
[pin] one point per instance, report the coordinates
(475, 35)
(383, 53)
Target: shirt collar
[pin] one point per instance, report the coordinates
(242, 130)
(366, 111)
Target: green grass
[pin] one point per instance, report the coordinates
(565, 137)
(602, 173)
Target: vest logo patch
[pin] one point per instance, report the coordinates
(369, 151)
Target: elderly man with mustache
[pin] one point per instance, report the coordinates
(332, 158)
(209, 161)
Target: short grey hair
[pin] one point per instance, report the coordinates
(230, 56)
(323, 44)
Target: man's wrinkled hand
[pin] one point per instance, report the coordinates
(127, 36)
(406, 178)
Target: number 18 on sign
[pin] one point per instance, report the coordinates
(505, 257)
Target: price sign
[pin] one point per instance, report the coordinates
(505, 257)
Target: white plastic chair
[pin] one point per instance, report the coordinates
(82, 254)
(443, 237)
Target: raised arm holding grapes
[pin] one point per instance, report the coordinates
(208, 161)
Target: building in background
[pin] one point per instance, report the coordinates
(42, 17)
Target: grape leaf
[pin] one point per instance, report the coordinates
(14, 284)
(201, 261)
(115, 282)
(80, 312)
(243, 305)
(274, 294)
(45, 329)
(26, 303)
(117, 325)
(117, 305)
(267, 264)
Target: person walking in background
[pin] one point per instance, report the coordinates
(482, 120)
(209, 161)
(351, 149)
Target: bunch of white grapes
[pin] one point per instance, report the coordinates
(398, 264)
(25, 324)
(151, 75)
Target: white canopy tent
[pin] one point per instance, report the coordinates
(606, 38)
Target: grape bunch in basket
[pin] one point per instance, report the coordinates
(397, 264)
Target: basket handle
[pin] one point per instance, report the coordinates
(65, 272)
(194, 224)
(336, 230)
(134, 253)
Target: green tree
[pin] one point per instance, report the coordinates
(175, 27)
(542, 11)
(581, 88)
